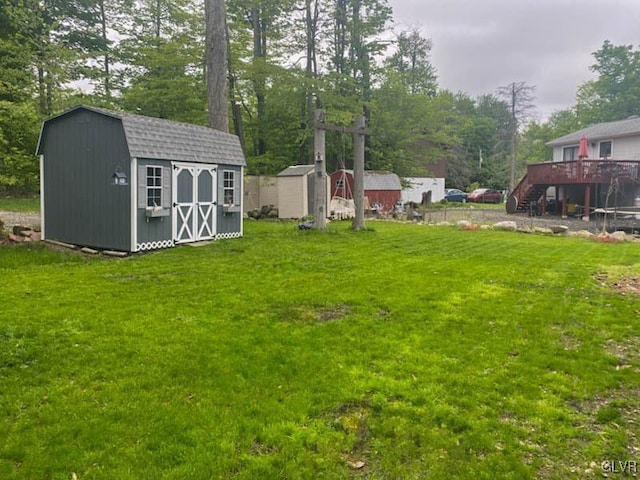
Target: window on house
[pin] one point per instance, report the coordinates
(228, 186)
(569, 154)
(605, 149)
(339, 183)
(154, 186)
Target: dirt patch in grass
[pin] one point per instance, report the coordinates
(334, 312)
(623, 284)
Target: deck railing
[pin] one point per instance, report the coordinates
(583, 172)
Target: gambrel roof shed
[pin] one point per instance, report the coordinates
(149, 137)
(121, 181)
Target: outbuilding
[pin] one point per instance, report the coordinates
(382, 190)
(117, 181)
(296, 187)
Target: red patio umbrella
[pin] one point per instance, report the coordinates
(582, 150)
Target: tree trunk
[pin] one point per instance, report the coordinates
(106, 68)
(216, 45)
(259, 52)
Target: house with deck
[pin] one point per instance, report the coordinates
(593, 170)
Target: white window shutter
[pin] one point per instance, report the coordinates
(166, 187)
(220, 187)
(142, 186)
(236, 188)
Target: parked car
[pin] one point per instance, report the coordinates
(455, 195)
(485, 195)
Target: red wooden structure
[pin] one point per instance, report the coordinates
(584, 183)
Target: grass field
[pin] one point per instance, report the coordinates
(400, 352)
(11, 204)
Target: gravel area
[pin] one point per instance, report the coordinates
(24, 219)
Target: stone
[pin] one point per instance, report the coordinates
(16, 238)
(559, 229)
(619, 236)
(89, 250)
(543, 230)
(508, 226)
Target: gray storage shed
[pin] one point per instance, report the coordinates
(117, 181)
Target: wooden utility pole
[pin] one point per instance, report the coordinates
(320, 175)
(358, 173)
(359, 133)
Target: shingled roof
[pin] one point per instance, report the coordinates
(160, 139)
(296, 171)
(601, 131)
(380, 180)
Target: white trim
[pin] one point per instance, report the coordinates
(194, 229)
(241, 201)
(133, 185)
(41, 194)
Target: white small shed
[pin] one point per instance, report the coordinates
(419, 185)
(296, 190)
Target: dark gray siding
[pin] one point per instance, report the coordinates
(155, 229)
(81, 206)
(229, 222)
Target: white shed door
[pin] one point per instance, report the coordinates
(194, 201)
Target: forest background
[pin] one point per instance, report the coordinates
(286, 58)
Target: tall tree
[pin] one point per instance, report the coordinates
(519, 96)
(216, 54)
(411, 61)
(615, 94)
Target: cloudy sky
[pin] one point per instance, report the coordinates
(479, 45)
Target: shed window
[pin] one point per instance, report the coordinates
(229, 186)
(340, 183)
(154, 186)
(605, 149)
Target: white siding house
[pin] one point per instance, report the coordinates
(618, 140)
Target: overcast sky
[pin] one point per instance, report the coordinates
(479, 45)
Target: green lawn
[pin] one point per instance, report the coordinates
(401, 352)
(11, 204)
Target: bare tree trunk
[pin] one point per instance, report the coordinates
(238, 128)
(216, 45)
(107, 66)
(259, 52)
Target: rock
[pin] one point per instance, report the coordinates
(559, 228)
(524, 230)
(89, 250)
(18, 229)
(619, 236)
(357, 465)
(36, 236)
(507, 226)
(543, 230)
(581, 233)
(16, 238)
(463, 223)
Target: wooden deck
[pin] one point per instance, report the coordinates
(588, 176)
(583, 172)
